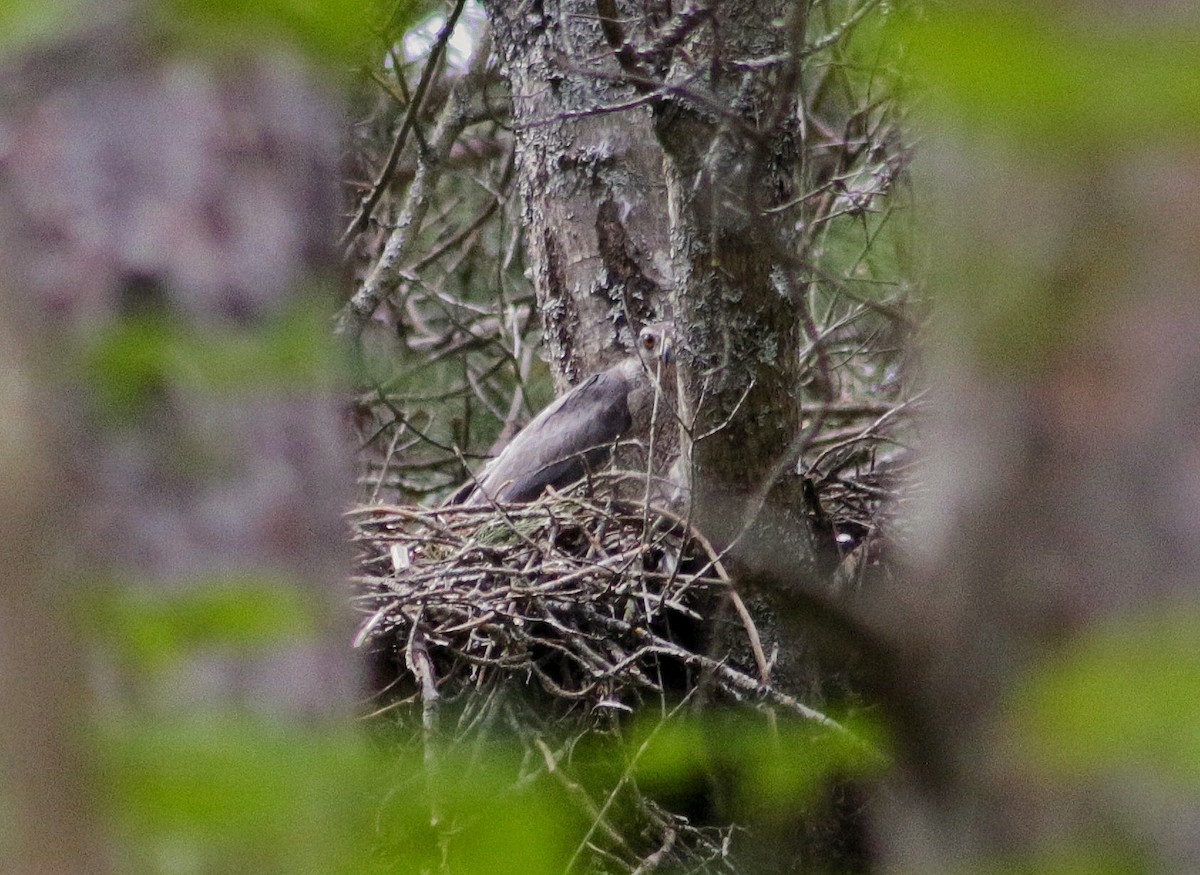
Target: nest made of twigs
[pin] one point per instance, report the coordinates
(585, 607)
(594, 602)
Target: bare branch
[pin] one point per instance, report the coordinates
(386, 275)
(359, 223)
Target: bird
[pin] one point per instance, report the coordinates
(575, 434)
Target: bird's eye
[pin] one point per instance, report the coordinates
(648, 341)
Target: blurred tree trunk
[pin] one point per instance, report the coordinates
(1064, 495)
(43, 778)
(166, 220)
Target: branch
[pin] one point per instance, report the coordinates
(359, 224)
(840, 31)
(615, 37)
(387, 273)
(673, 33)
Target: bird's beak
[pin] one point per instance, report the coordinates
(668, 353)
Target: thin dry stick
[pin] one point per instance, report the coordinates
(359, 223)
(626, 777)
(385, 277)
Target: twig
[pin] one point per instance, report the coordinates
(359, 223)
(385, 277)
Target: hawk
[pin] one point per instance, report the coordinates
(576, 433)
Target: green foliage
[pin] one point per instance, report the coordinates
(1038, 74)
(225, 791)
(1046, 100)
(225, 795)
(1122, 698)
(484, 819)
(144, 354)
(332, 31)
(1100, 856)
(229, 794)
(28, 23)
(220, 792)
(767, 770)
(154, 627)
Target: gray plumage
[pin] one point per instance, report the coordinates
(575, 433)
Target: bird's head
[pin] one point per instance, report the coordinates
(656, 344)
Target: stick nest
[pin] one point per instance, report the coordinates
(591, 606)
(596, 602)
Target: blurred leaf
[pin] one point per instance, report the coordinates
(487, 824)
(1125, 697)
(232, 795)
(27, 23)
(766, 769)
(1032, 72)
(1102, 856)
(228, 795)
(332, 31)
(144, 354)
(156, 626)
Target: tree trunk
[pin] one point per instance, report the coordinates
(166, 220)
(730, 159)
(665, 207)
(606, 246)
(50, 823)
(590, 176)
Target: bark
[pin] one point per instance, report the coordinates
(730, 158)
(590, 177)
